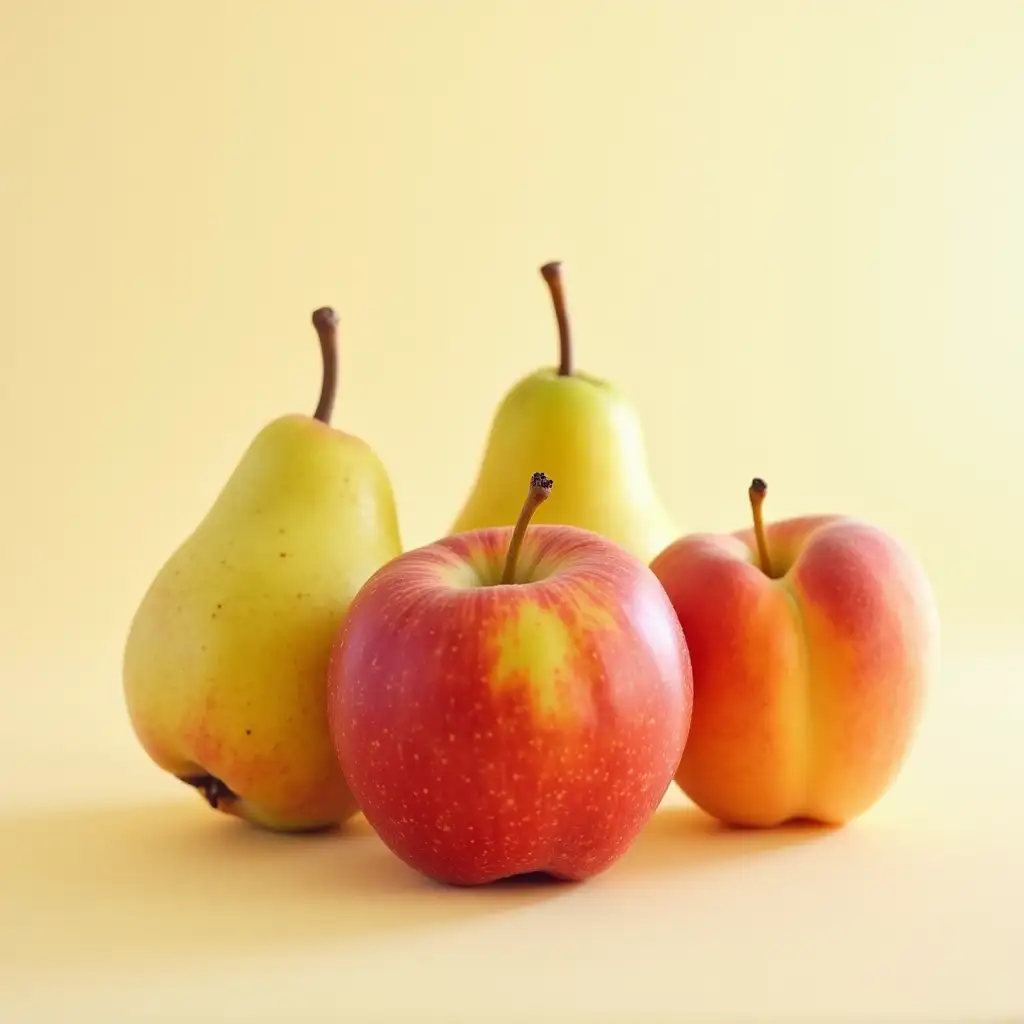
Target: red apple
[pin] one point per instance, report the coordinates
(494, 722)
(813, 642)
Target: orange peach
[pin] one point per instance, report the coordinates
(813, 642)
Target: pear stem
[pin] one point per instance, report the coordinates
(758, 489)
(325, 320)
(540, 491)
(552, 274)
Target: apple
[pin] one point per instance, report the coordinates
(814, 641)
(510, 701)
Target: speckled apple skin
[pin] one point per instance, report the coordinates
(493, 730)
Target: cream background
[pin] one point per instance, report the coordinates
(792, 232)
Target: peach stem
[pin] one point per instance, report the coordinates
(758, 489)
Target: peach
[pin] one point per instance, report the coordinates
(813, 643)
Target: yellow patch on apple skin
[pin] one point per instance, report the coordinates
(595, 617)
(533, 648)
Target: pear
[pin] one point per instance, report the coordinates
(587, 436)
(225, 664)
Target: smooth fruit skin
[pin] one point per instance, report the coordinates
(588, 438)
(225, 666)
(495, 730)
(808, 689)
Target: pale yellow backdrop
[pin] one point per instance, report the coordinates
(792, 232)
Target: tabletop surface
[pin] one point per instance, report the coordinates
(125, 899)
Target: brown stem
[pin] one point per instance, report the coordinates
(552, 274)
(758, 489)
(325, 320)
(540, 491)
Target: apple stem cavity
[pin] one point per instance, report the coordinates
(540, 491)
(552, 274)
(757, 492)
(325, 320)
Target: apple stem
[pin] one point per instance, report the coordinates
(758, 489)
(552, 274)
(540, 491)
(325, 320)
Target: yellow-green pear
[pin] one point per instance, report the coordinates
(225, 665)
(586, 435)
